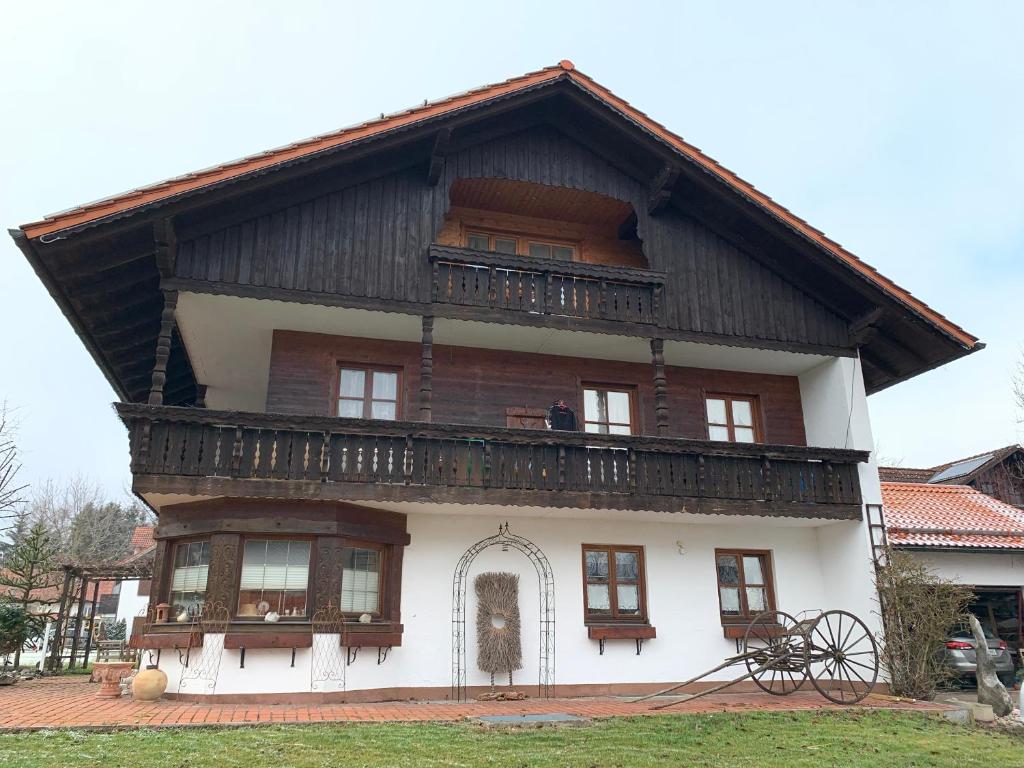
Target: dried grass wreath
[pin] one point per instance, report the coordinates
(499, 648)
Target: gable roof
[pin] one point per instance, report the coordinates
(564, 71)
(958, 471)
(949, 516)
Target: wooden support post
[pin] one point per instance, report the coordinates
(92, 623)
(427, 369)
(57, 644)
(163, 348)
(78, 624)
(660, 386)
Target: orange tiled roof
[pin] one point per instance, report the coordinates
(564, 70)
(920, 515)
(142, 538)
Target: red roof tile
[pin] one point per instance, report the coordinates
(919, 515)
(142, 538)
(564, 70)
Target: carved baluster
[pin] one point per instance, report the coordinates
(408, 459)
(141, 450)
(830, 482)
(660, 386)
(492, 285)
(236, 452)
(701, 476)
(602, 303)
(325, 458)
(427, 368)
(163, 348)
(656, 306)
(766, 474)
(631, 469)
(487, 465)
(435, 278)
(561, 466)
(549, 294)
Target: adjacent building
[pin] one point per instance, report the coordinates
(337, 362)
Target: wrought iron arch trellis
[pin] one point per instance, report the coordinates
(546, 595)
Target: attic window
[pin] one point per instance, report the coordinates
(523, 246)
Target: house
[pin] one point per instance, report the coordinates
(965, 536)
(336, 362)
(998, 473)
(131, 596)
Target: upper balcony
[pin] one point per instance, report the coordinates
(612, 297)
(198, 452)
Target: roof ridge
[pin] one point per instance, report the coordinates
(565, 69)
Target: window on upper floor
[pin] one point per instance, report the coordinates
(367, 393)
(538, 248)
(614, 587)
(745, 586)
(607, 410)
(733, 418)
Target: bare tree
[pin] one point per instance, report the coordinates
(12, 494)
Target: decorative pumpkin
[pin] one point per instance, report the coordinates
(149, 684)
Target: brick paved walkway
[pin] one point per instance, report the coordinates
(72, 702)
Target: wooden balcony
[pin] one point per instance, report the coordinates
(194, 451)
(595, 294)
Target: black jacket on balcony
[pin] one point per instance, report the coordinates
(561, 416)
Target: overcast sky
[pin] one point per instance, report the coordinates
(894, 127)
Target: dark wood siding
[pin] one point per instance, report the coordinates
(370, 240)
(476, 386)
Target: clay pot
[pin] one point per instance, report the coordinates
(109, 674)
(149, 684)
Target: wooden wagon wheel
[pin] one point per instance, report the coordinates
(842, 657)
(769, 642)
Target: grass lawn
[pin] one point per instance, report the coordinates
(847, 739)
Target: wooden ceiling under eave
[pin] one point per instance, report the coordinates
(109, 289)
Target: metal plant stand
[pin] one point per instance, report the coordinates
(834, 650)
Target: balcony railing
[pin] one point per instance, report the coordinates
(188, 450)
(470, 278)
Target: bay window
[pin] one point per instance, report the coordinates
(275, 578)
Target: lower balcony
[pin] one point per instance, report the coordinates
(199, 452)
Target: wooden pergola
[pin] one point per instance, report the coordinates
(77, 578)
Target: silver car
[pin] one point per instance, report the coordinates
(961, 648)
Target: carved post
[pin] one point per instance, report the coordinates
(427, 369)
(163, 348)
(660, 386)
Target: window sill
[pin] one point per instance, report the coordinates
(250, 640)
(621, 632)
(739, 630)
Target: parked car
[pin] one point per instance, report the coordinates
(962, 661)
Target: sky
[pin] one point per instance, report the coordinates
(896, 128)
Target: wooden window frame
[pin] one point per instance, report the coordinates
(730, 398)
(383, 584)
(310, 577)
(767, 569)
(612, 617)
(522, 241)
(167, 575)
(368, 369)
(629, 389)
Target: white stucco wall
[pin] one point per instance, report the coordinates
(682, 602)
(836, 416)
(130, 603)
(978, 569)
